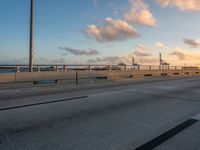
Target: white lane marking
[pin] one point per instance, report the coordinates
(108, 93)
(197, 117)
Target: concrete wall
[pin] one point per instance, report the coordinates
(71, 75)
(7, 77)
(37, 76)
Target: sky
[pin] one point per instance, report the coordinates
(101, 31)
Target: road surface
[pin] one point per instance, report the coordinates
(151, 115)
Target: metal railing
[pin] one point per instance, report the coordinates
(65, 67)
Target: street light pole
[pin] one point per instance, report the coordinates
(31, 40)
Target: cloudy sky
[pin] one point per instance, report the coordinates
(102, 31)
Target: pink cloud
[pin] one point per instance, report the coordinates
(112, 30)
(192, 5)
(139, 13)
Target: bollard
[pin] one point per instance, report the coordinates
(38, 69)
(125, 67)
(17, 68)
(149, 67)
(109, 67)
(89, 68)
(64, 68)
(56, 69)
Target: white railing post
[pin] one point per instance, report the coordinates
(109, 67)
(159, 67)
(65, 68)
(17, 68)
(56, 68)
(89, 68)
(150, 68)
(125, 67)
(38, 68)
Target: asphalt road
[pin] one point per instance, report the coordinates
(122, 117)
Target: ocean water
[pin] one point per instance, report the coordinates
(7, 71)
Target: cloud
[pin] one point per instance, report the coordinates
(95, 2)
(122, 29)
(151, 60)
(191, 5)
(80, 52)
(160, 45)
(192, 43)
(141, 54)
(58, 61)
(182, 54)
(143, 57)
(179, 54)
(112, 30)
(139, 13)
(44, 60)
(141, 51)
(112, 60)
(142, 60)
(106, 60)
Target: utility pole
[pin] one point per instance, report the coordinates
(31, 40)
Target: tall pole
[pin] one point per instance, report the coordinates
(31, 40)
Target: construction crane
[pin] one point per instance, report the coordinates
(162, 63)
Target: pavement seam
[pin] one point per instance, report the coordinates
(42, 103)
(169, 134)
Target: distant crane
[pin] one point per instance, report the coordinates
(133, 62)
(162, 63)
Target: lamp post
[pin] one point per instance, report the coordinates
(31, 40)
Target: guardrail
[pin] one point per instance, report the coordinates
(79, 73)
(64, 68)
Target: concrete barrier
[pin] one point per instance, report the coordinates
(21, 77)
(37, 76)
(8, 78)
